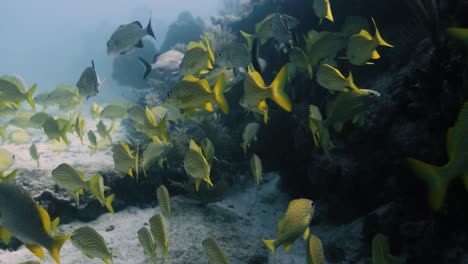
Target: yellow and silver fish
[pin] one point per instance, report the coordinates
(6, 159)
(34, 153)
(103, 131)
(164, 200)
(96, 187)
(54, 131)
(70, 179)
(323, 45)
(315, 250)
(19, 137)
(332, 79)
(208, 150)
(146, 241)
(114, 111)
(158, 230)
(198, 58)
(24, 219)
(323, 10)
(234, 54)
(294, 224)
(381, 251)
(256, 169)
(362, 47)
(88, 84)
(249, 135)
(196, 165)
(12, 91)
(91, 243)
(96, 110)
(79, 127)
(155, 151)
(126, 37)
(214, 252)
(38, 119)
(124, 160)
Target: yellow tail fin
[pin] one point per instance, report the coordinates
(29, 97)
(278, 93)
(54, 251)
(435, 182)
(218, 92)
(249, 38)
(270, 245)
(109, 201)
(63, 134)
(379, 38)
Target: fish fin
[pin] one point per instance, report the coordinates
(137, 160)
(139, 44)
(197, 184)
(54, 251)
(352, 85)
(208, 48)
(435, 182)
(209, 65)
(329, 14)
(375, 55)
(306, 233)
(281, 224)
(208, 181)
(287, 247)
(106, 261)
(148, 68)
(208, 107)
(149, 29)
(53, 226)
(379, 38)
(36, 250)
(63, 134)
(218, 92)
(45, 218)
(11, 176)
(109, 200)
(130, 172)
(137, 23)
(4, 235)
(29, 97)
(249, 38)
(92, 63)
(278, 93)
(270, 245)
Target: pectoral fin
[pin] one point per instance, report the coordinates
(287, 247)
(36, 250)
(306, 234)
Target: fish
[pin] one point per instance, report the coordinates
(208, 150)
(192, 93)
(362, 47)
(459, 34)
(9, 178)
(114, 111)
(158, 230)
(96, 187)
(332, 79)
(195, 61)
(38, 119)
(137, 113)
(67, 97)
(96, 110)
(155, 151)
(79, 127)
(128, 36)
(230, 77)
(24, 219)
(214, 252)
(103, 131)
(92, 138)
(91, 243)
(381, 251)
(3, 131)
(12, 91)
(256, 169)
(34, 153)
(323, 45)
(294, 224)
(70, 179)
(234, 54)
(256, 92)
(354, 24)
(168, 62)
(42, 99)
(155, 124)
(88, 84)
(249, 135)
(22, 119)
(196, 165)
(146, 241)
(124, 160)
(314, 250)
(164, 200)
(101, 145)
(6, 160)
(54, 225)
(54, 131)
(277, 26)
(301, 61)
(19, 137)
(438, 178)
(323, 10)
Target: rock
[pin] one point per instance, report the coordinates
(185, 29)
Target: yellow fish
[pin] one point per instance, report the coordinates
(6, 159)
(12, 91)
(96, 187)
(159, 232)
(315, 250)
(146, 241)
(164, 200)
(332, 79)
(70, 179)
(460, 34)
(124, 160)
(381, 251)
(293, 224)
(91, 243)
(249, 135)
(214, 252)
(34, 153)
(322, 10)
(196, 165)
(256, 169)
(362, 47)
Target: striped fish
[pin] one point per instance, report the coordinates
(322, 45)
(158, 230)
(114, 111)
(249, 135)
(333, 80)
(124, 160)
(137, 113)
(146, 241)
(293, 224)
(255, 90)
(11, 92)
(195, 61)
(19, 137)
(96, 187)
(362, 47)
(195, 165)
(103, 131)
(234, 54)
(164, 200)
(323, 10)
(96, 110)
(91, 243)
(192, 93)
(128, 36)
(92, 138)
(208, 150)
(256, 169)
(6, 159)
(34, 153)
(315, 250)
(70, 179)
(53, 130)
(214, 252)
(38, 119)
(88, 84)
(155, 151)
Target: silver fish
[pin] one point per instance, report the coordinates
(88, 84)
(128, 36)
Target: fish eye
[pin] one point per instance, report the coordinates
(219, 54)
(108, 43)
(312, 204)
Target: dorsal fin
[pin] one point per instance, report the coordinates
(45, 218)
(92, 63)
(137, 23)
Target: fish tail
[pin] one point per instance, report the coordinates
(148, 68)
(379, 38)
(63, 134)
(352, 85)
(57, 245)
(270, 245)
(208, 47)
(92, 183)
(109, 200)
(244, 147)
(29, 97)
(218, 92)
(277, 89)
(54, 224)
(249, 38)
(436, 183)
(149, 29)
